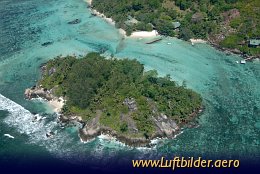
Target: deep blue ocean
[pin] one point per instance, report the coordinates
(228, 128)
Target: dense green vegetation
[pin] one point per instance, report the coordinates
(229, 23)
(95, 85)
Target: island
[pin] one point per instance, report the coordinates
(116, 97)
(229, 25)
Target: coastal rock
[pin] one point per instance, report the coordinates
(52, 71)
(36, 92)
(88, 133)
(56, 103)
(165, 125)
(50, 134)
(91, 129)
(45, 44)
(131, 104)
(76, 21)
(165, 128)
(63, 118)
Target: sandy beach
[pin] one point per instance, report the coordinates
(144, 34)
(122, 32)
(196, 41)
(57, 104)
(89, 1)
(136, 34)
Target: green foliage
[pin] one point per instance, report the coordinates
(123, 127)
(231, 41)
(143, 26)
(235, 23)
(94, 85)
(186, 33)
(161, 13)
(165, 27)
(56, 72)
(183, 4)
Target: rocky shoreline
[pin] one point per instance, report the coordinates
(232, 51)
(227, 51)
(56, 103)
(165, 127)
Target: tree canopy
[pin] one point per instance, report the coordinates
(229, 23)
(93, 83)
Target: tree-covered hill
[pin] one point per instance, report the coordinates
(229, 23)
(119, 92)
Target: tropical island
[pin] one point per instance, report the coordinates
(230, 25)
(116, 97)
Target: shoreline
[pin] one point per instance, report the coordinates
(135, 34)
(168, 129)
(154, 33)
(91, 129)
(109, 134)
(144, 34)
(229, 51)
(138, 142)
(101, 15)
(56, 103)
(197, 41)
(164, 126)
(109, 137)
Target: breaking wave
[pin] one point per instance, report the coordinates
(65, 144)
(36, 127)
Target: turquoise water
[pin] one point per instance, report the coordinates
(229, 127)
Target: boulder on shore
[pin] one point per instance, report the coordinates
(36, 92)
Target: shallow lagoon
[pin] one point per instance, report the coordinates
(229, 126)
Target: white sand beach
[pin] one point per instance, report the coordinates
(196, 41)
(89, 1)
(57, 104)
(122, 32)
(137, 34)
(144, 34)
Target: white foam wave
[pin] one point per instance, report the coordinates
(27, 123)
(9, 136)
(19, 117)
(63, 145)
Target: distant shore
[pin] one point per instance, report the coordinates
(154, 33)
(136, 34)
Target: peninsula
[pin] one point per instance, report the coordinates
(116, 97)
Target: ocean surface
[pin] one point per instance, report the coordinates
(229, 126)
